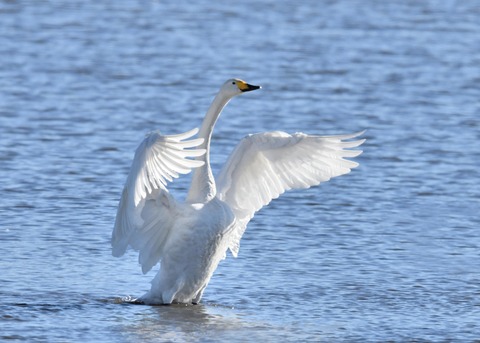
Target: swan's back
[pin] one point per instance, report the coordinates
(197, 243)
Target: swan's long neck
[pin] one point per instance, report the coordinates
(203, 186)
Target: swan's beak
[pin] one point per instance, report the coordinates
(246, 87)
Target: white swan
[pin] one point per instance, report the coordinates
(191, 238)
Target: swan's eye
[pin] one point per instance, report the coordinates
(233, 82)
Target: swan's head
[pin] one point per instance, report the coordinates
(235, 87)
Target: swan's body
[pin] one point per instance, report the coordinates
(191, 238)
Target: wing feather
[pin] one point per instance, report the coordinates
(146, 211)
(265, 165)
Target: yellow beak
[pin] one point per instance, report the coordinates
(245, 87)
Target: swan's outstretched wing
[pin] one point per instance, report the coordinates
(265, 165)
(146, 211)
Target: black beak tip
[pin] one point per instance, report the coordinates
(251, 88)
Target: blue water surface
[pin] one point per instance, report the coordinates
(389, 252)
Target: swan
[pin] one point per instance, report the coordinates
(191, 238)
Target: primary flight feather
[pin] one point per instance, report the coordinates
(189, 239)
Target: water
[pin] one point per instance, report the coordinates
(388, 252)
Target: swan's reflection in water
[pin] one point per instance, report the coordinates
(192, 323)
